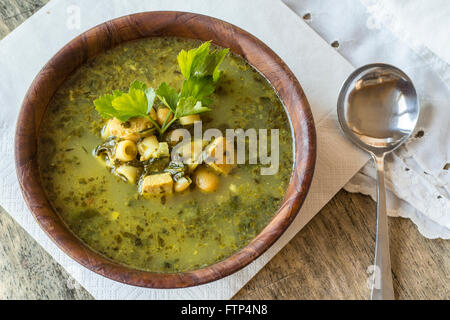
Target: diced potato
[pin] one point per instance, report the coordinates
(147, 146)
(216, 161)
(129, 130)
(157, 184)
(128, 172)
(182, 184)
(187, 120)
(162, 151)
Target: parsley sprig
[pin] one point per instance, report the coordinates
(200, 68)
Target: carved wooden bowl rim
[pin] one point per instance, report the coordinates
(153, 24)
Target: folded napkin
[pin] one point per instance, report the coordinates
(317, 66)
(398, 32)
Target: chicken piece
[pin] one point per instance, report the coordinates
(218, 154)
(157, 184)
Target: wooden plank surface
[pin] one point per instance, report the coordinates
(328, 259)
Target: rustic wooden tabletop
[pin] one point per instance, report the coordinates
(327, 259)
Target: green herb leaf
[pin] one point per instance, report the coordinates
(210, 66)
(188, 106)
(104, 107)
(136, 84)
(168, 96)
(199, 88)
(218, 56)
(149, 92)
(189, 61)
(199, 62)
(131, 104)
(117, 93)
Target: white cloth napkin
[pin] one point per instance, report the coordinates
(399, 32)
(318, 67)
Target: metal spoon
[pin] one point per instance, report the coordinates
(378, 110)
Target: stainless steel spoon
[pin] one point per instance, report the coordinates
(378, 110)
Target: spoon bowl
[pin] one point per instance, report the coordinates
(378, 110)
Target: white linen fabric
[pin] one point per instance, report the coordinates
(410, 35)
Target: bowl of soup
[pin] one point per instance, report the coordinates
(97, 131)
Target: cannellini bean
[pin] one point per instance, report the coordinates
(205, 180)
(182, 184)
(153, 114)
(161, 115)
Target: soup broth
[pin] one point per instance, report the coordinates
(172, 233)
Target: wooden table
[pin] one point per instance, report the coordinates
(328, 259)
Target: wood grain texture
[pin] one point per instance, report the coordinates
(27, 271)
(421, 266)
(155, 24)
(328, 258)
(13, 13)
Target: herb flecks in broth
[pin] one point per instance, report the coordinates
(170, 233)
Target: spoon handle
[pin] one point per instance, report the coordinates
(382, 288)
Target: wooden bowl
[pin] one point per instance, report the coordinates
(154, 24)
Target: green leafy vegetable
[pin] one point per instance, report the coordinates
(200, 62)
(103, 105)
(199, 88)
(168, 96)
(132, 103)
(138, 85)
(200, 67)
(136, 103)
(189, 106)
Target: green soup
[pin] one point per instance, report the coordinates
(179, 232)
